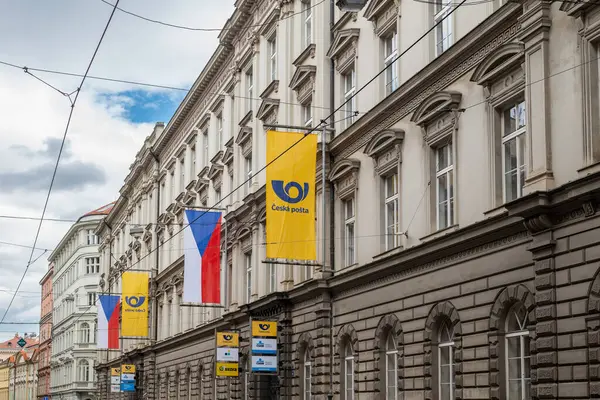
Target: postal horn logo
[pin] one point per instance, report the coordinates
(291, 193)
(227, 337)
(264, 327)
(135, 301)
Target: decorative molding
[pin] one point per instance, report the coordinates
(384, 149)
(497, 63)
(217, 106)
(244, 140)
(344, 48)
(344, 174)
(303, 82)
(434, 106)
(383, 14)
(308, 52)
(247, 118)
(203, 123)
(387, 324)
(268, 110)
(271, 88)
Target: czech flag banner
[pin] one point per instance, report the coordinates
(202, 257)
(108, 321)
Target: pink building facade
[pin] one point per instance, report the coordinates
(45, 349)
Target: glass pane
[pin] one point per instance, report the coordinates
(391, 186)
(445, 374)
(514, 389)
(442, 188)
(514, 368)
(442, 157)
(510, 121)
(451, 196)
(445, 392)
(513, 347)
(444, 356)
(521, 115)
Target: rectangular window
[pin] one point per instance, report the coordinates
(518, 365)
(307, 376)
(307, 118)
(248, 174)
(444, 177)
(249, 89)
(219, 131)
(391, 72)
(182, 174)
(92, 265)
(217, 196)
(443, 31)
(172, 188)
(205, 144)
(349, 378)
(193, 158)
(349, 99)
(248, 264)
(91, 299)
(391, 368)
(307, 15)
(513, 151)
(349, 235)
(272, 50)
(272, 277)
(446, 371)
(91, 237)
(391, 213)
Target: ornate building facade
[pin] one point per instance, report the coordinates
(463, 241)
(45, 347)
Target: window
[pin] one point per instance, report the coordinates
(205, 144)
(219, 131)
(349, 236)
(85, 333)
(249, 89)
(518, 379)
(91, 299)
(92, 265)
(444, 177)
(307, 118)
(182, 174)
(391, 212)
(272, 276)
(391, 52)
(348, 372)
(84, 371)
(193, 158)
(307, 15)
(391, 367)
(248, 173)
(349, 99)
(272, 51)
(91, 237)
(172, 188)
(248, 263)
(445, 362)
(307, 375)
(443, 31)
(217, 196)
(513, 150)
(189, 384)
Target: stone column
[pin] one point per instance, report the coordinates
(535, 34)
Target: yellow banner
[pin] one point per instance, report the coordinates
(228, 339)
(128, 368)
(227, 369)
(115, 371)
(264, 328)
(291, 195)
(134, 317)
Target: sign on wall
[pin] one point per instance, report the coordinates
(227, 354)
(127, 378)
(264, 347)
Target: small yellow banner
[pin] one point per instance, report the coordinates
(291, 201)
(128, 368)
(115, 371)
(134, 306)
(228, 339)
(227, 369)
(264, 328)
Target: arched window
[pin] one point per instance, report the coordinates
(189, 383)
(306, 376)
(348, 371)
(85, 333)
(84, 370)
(445, 352)
(391, 366)
(517, 356)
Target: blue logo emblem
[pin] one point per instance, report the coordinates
(135, 301)
(283, 192)
(260, 362)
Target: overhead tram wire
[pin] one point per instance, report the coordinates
(330, 116)
(189, 28)
(64, 138)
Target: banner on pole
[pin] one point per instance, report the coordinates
(291, 196)
(108, 321)
(135, 307)
(202, 257)
(227, 354)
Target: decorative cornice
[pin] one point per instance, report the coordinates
(436, 105)
(308, 52)
(267, 107)
(498, 62)
(247, 118)
(342, 40)
(271, 88)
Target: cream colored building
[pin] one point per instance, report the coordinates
(461, 197)
(23, 376)
(4, 377)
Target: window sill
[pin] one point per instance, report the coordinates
(589, 169)
(439, 233)
(387, 253)
(495, 212)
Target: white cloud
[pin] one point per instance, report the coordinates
(61, 35)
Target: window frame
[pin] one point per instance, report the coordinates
(349, 221)
(388, 354)
(219, 131)
(446, 172)
(307, 115)
(387, 200)
(348, 90)
(349, 392)
(518, 135)
(249, 79)
(307, 376)
(390, 62)
(449, 345)
(248, 265)
(445, 6)
(205, 144)
(307, 22)
(523, 334)
(248, 173)
(272, 57)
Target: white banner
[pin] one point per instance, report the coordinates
(115, 380)
(264, 346)
(228, 354)
(115, 388)
(264, 363)
(128, 377)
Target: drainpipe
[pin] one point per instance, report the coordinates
(332, 198)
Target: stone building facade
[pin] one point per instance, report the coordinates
(463, 247)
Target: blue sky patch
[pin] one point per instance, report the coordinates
(139, 106)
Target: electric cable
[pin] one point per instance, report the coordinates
(73, 103)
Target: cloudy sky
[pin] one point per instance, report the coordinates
(110, 120)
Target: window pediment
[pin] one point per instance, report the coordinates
(383, 14)
(203, 121)
(384, 148)
(308, 52)
(189, 197)
(498, 63)
(435, 106)
(228, 156)
(216, 158)
(303, 81)
(201, 184)
(576, 9)
(247, 118)
(345, 177)
(270, 25)
(217, 105)
(343, 49)
(244, 139)
(215, 171)
(272, 88)
(267, 112)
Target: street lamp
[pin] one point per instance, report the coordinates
(351, 5)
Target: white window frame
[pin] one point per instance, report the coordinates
(307, 16)
(391, 353)
(84, 370)
(248, 173)
(249, 88)
(92, 239)
(392, 228)
(307, 394)
(349, 87)
(443, 31)
(390, 48)
(348, 373)
(217, 195)
(272, 52)
(445, 346)
(349, 225)
(220, 131)
(516, 135)
(182, 174)
(86, 333)
(248, 264)
(205, 145)
(307, 117)
(445, 172)
(523, 335)
(272, 277)
(92, 265)
(193, 157)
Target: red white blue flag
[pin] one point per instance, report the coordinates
(202, 257)
(108, 321)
